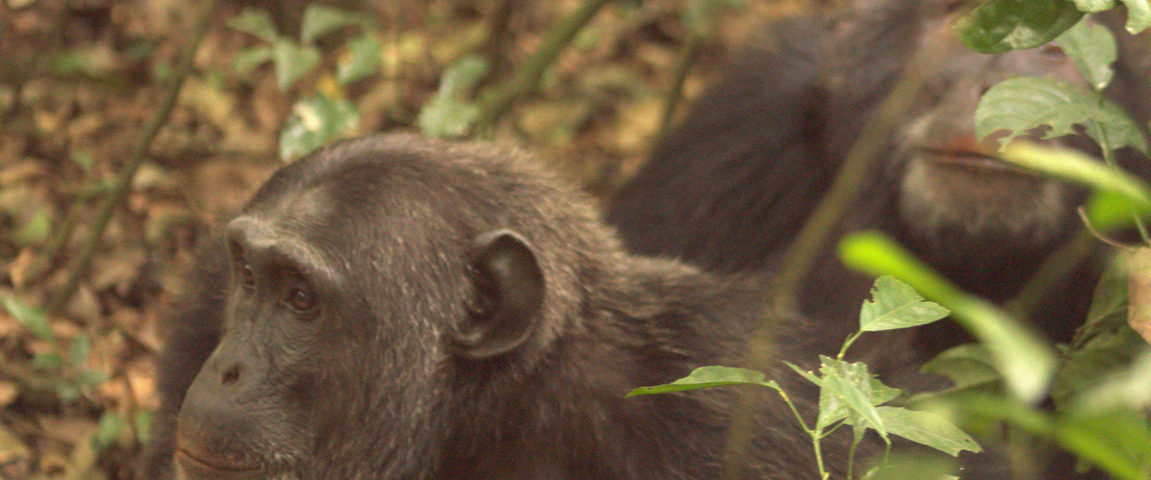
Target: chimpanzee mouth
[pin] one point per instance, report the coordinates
(212, 465)
(972, 161)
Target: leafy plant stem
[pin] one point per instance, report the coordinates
(1109, 159)
(803, 252)
(109, 204)
(847, 344)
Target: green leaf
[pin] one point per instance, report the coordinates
(1093, 50)
(1108, 211)
(363, 61)
(927, 428)
(1130, 388)
(967, 366)
(34, 319)
(904, 466)
(447, 117)
(1026, 361)
(249, 59)
(448, 114)
(700, 16)
(1117, 441)
(315, 122)
(255, 22)
(1025, 103)
(36, 229)
(1078, 167)
(1138, 15)
(142, 424)
(811, 377)
(1094, 5)
(997, 26)
(107, 431)
(896, 305)
(709, 377)
(320, 19)
(292, 62)
(846, 392)
(1138, 11)
(462, 76)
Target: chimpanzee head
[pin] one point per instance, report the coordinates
(375, 286)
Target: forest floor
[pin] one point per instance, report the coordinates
(80, 79)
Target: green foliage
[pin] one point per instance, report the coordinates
(1025, 361)
(1138, 11)
(996, 26)
(314, 122)
(108, 431)
(1078, 167)
(896, 306)
(848, 393)
(69, 374)
(326, 116)
(1093, 50)
(1021, 104)
(450, 114)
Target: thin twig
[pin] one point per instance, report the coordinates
(496, 100)
(108, 207)
(687, 57)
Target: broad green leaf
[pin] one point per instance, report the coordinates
(320, 19)
(1093, 50)
(967, 366)
(1110, 294)
(1026, 362)
(1138, 15)
(1117, 441)
(1019, 105)
(255, 22)
(927, 428)
(846, 392)
(32, 318)
(997, 26)
(709, 377)
(363, 60)
(249, 59)
(1094, 5)
(896, 305)
(447, 117)
(1076, 166)
(1129, 388)
(292, 62)
(315, 122)
(904, 466)
(1138, 11)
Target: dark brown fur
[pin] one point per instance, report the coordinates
(378, 385)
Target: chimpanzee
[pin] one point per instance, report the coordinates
(395, 307)
(729, 188)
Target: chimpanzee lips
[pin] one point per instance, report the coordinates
(975, 161)
(208, 464)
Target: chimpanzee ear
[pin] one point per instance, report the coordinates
(509, 289)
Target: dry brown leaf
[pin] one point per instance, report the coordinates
(1139, 292)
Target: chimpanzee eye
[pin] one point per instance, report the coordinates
(300, 297)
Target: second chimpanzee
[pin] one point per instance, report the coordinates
(730, 187)
(400, 308)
